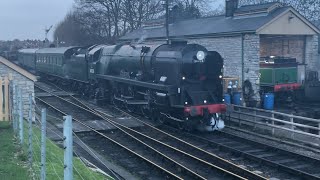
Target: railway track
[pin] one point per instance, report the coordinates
(179, 159)
(238, 149)
(232, 147)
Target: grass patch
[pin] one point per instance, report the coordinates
(54, 160)
(12, 161)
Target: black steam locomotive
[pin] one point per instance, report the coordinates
(177, 82)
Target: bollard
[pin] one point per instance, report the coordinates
(43, 143)
(68, 149)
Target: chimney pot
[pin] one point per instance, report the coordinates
(231, 6)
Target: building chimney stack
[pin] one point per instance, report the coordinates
(231, 6)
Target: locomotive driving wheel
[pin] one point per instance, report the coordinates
(130, 108)
(161, 119)
(145, 111)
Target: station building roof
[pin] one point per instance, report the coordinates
(18, 69)
(246, 19)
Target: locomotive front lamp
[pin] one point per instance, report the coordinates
(220, 76)
(200, 55)
(183, 78)
(205, 101)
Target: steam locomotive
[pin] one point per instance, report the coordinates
(178, 83)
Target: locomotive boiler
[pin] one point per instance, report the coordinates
(178, 82)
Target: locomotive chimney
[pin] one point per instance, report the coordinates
(231, 6)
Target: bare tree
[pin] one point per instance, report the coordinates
(308, 8)
(107, 20)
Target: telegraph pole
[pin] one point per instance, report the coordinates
(167, 21)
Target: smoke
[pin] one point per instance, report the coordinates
(142, 38)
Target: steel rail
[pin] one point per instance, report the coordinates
(115, 142)
(293, 156)
(286, 168)
(248, 175)
(163, 155)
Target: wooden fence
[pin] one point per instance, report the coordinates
(4, 98)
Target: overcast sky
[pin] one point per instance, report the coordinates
(27, 19)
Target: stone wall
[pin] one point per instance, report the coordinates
(312, 55)
(230, 48)
(21, 81)
(251, 50)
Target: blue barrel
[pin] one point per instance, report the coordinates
(227, 98)
(268, 101)
(236, 99)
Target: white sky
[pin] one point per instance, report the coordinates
(27, 19)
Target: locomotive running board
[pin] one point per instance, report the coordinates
(169, 88)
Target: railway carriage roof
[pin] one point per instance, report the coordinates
(60, 50)
(28, 51)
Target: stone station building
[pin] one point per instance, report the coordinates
(243, 35)
(22, 79)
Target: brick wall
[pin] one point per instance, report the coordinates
(285, 46)
(21, 81)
